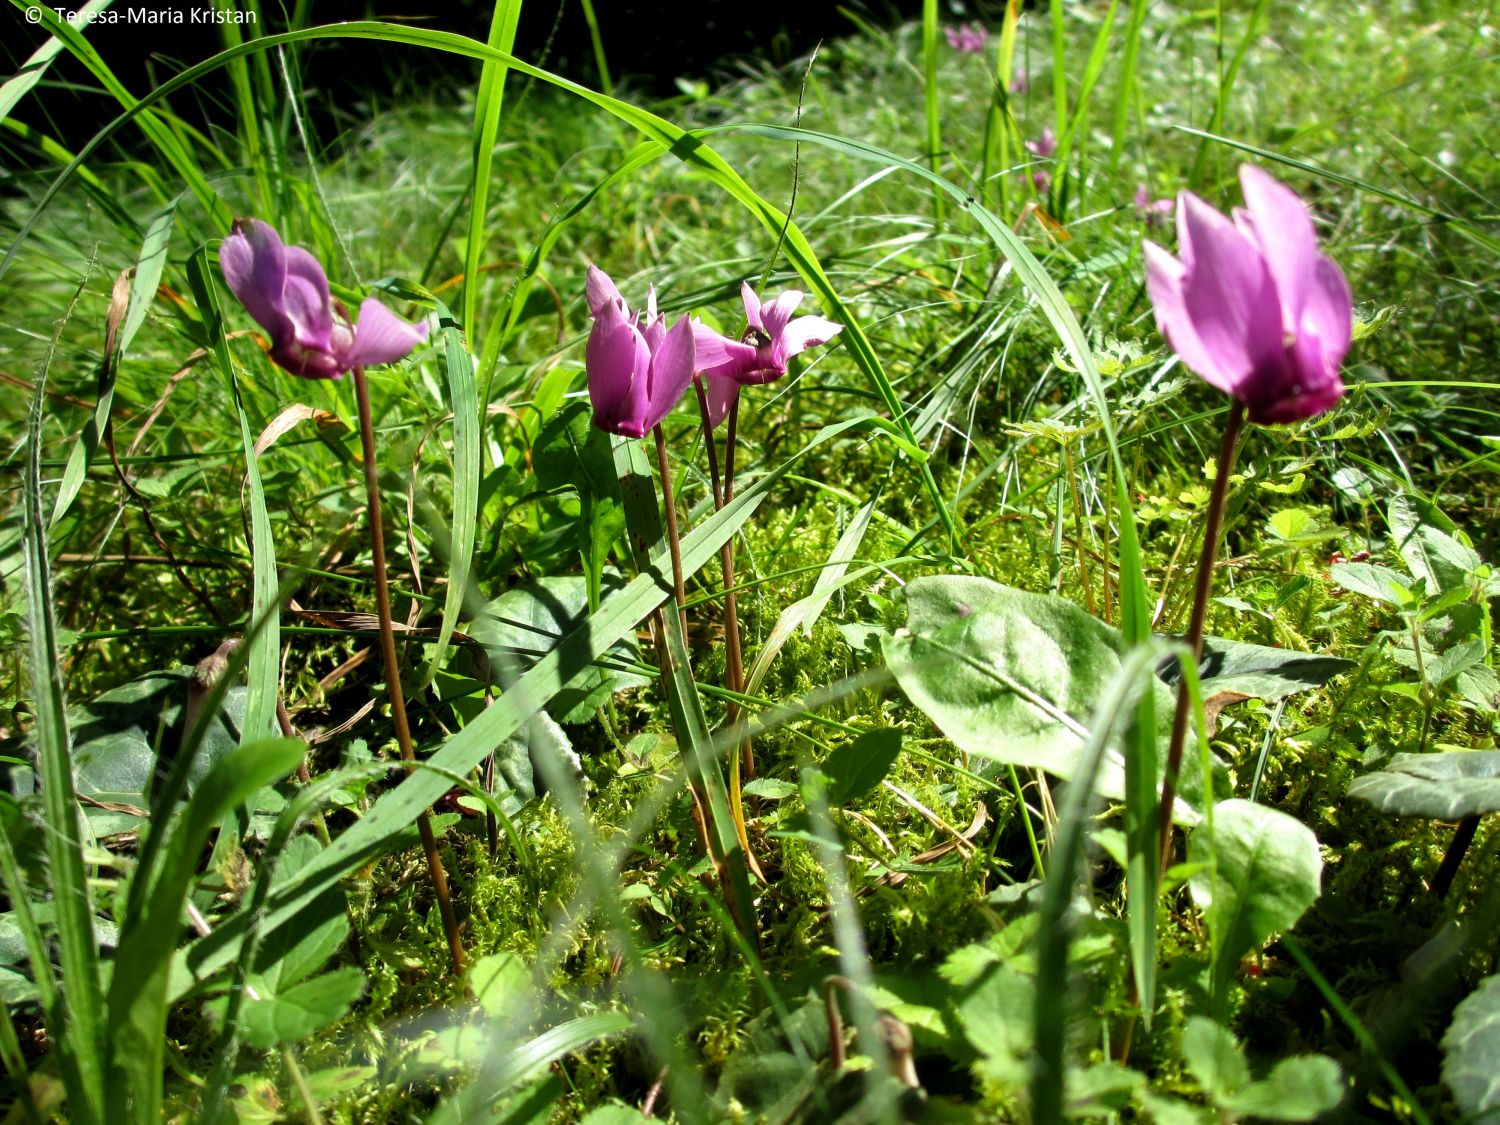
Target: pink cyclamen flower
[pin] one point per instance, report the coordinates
(969, 40)
(772, 337)
(286, 291)
(1021, 81)
(1153, 211)
(1045, 145)
(637, 369)
(1251, 305)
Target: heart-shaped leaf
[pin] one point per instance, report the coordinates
(1011, 676)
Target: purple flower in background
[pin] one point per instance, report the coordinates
(1251, 305)
(1153, 211)
(1041, 179)
(1045, 145)
(1021, 81)
(637, 369)
(286, 291)
(969, 40)
(761, 355)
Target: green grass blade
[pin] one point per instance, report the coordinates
(1226, 85)
(138, 994)
(157, 132)
(930, 102)
(1059, 67)
(75, 1020)
(264, 667)
(1125, 91)
(597, 42)
(461, 752)
(463, 400)
(487, 106)
(1116, 709)
(12, 90)
(1091, 71)
(148, 270)
(686, 708)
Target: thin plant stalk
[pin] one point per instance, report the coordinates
(393, 668)
(742, 766)
(734, 651)
(1201, 591)
(669, 507)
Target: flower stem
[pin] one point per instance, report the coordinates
(733, 653)
(393, 668)
(1201, 591)
(669, 506)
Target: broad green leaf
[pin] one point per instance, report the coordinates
(857, 767)
(1448, 785)
(571, 452)
(1303, 1088)
(501, 983)
(615, 1113)
(528, 621)
(1375, 581)
(1010, 676)
(1432, 554)
(1215, 1058)
(301, 1009)
(1260, 870)
(1260, 670)
(295, 952)
(1471, 1050)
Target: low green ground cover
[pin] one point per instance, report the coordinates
(933, 529)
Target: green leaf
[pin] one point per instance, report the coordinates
(1260, 871)
(1303, 1088)
(1471, 1050)
(528, 621)
(770, 788)
(1375, 581)
(1448, 785)
(857, 767)
(1010, 676)
(463, 400)
(500, 982)
(1433, 555)
(1214, 1056)
(295, 952)
(301, 1009)
(571, 452)
(1260, 670)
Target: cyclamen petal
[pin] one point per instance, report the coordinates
(1251, 305)
(774, 337)
(636, 373)
(382, 337)
(286, 291)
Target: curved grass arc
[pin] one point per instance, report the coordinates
(686, 146)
